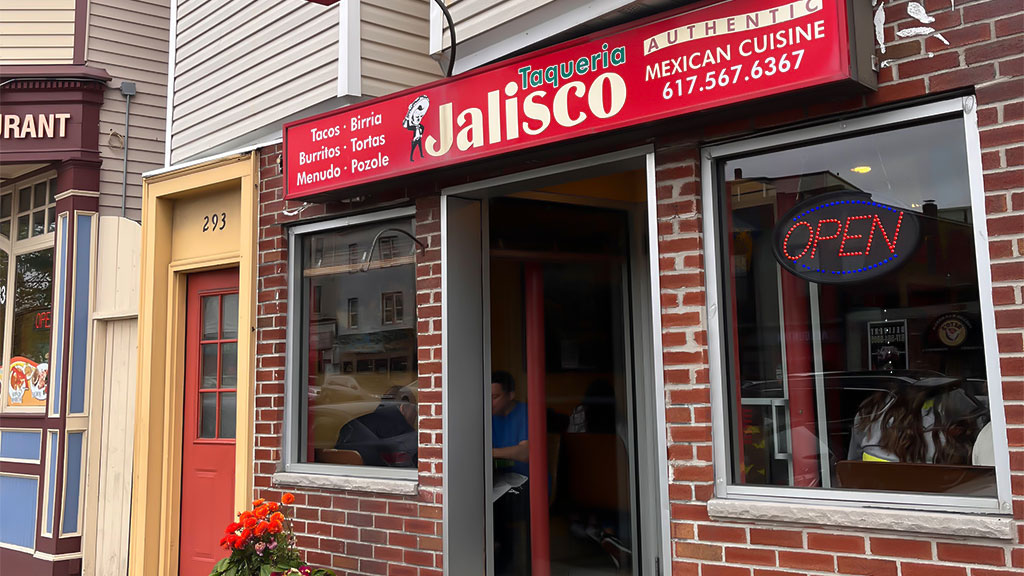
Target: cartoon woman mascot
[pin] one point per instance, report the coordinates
(413, 121)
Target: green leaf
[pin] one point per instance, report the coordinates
(232, 571)
(265, 570)
(219, 567)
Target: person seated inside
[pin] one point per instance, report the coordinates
(510, 450)
(932, 421)
(509, 428)
(386, 436)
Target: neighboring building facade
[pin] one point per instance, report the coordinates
(673, 299)
(79, 84)
(239, 71)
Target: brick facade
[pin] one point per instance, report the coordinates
(361, 533)
(354, 532)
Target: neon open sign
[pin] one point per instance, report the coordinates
(844, 237)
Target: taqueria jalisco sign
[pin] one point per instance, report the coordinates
(706, 57)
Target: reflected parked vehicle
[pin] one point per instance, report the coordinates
(351, 425)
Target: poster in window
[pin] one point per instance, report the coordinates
(887, 345)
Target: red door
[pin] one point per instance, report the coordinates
(208, 436)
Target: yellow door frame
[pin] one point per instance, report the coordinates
(156, 490)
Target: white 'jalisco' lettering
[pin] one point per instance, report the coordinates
(538, 113)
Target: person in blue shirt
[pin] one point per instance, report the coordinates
(511, 452)
(510, 447)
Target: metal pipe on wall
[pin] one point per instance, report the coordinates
(127, 90)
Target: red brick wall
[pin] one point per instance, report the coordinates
(353, 532)
(986, 53)
(362, 533)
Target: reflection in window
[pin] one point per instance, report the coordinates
(353, 313)
(874, 384)
(387, 248)
(391, 304)
(358, 372)
(218, 378)
(30, 337)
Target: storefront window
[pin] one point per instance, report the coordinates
(854, 354)
(30, 337)
(358, 342)
(27, 223)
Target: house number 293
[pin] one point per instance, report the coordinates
(214, 222)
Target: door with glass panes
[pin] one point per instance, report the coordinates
(208, 433)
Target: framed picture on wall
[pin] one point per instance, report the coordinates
(887, 345)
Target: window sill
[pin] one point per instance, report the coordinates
(355, 483)
(968, 525)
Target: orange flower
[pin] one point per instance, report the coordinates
(225, 542)
(250, 523)
(261, 528)
(258, 502)
(239, 542)
(244, 515)
(232, 528)
(288, 498)
(262, 511)
(275, 527)
(273, 506)
(278, 517)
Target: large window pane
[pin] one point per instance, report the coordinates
(30, 345)
(359, 372)
(857, 363)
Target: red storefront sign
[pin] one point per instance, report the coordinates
(703, 58)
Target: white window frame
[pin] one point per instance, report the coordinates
(294, 399)
(721, 434)
(15, 248)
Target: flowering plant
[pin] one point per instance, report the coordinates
(262, 543)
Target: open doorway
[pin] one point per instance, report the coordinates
(561, 371)
(549, 336)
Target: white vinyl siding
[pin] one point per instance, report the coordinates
(242, 65)
(37, 31)
(129, 39)
(474, 17)
(395, 46)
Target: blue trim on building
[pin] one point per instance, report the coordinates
(80, 313)
(59, 295)
(51, 480)
(72, 482)
(20, 445)
(18, 499)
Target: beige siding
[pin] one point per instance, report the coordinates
(395, 46)
(108, 483)
(37, 31)
(242, 65)
(129, 39)
(474, 17)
